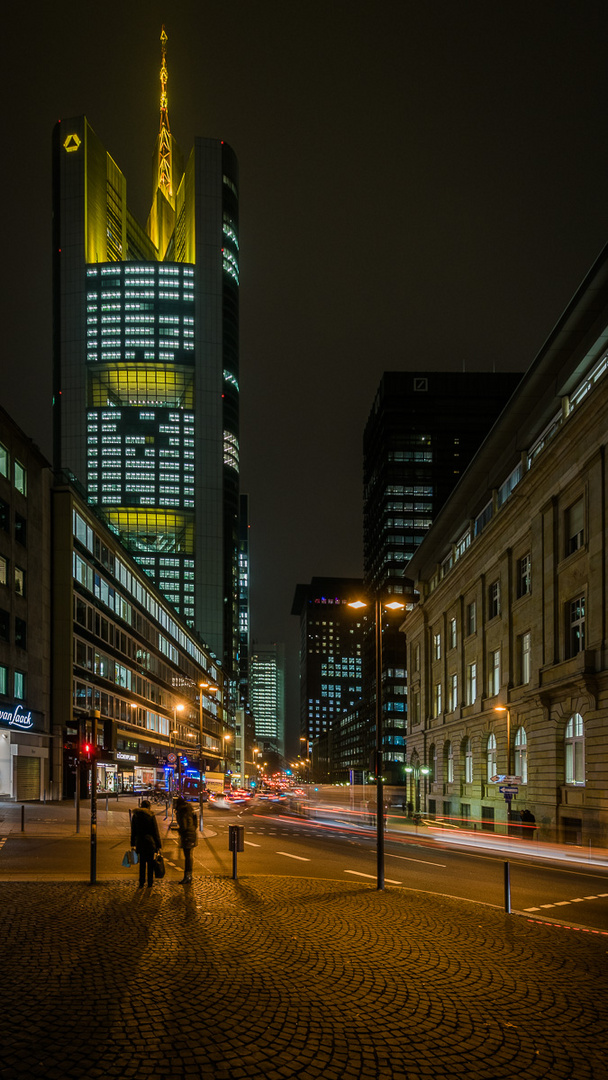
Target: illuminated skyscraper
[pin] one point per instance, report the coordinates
(267, 670)
(146, 378)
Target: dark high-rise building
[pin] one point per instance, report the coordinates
(331, 642)
(146, 376)
(422, 432)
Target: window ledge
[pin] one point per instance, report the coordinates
(569, 671)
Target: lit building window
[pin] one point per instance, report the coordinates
(521, 755)
(575, 750)
(491, 757)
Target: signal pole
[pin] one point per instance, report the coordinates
(94, 718)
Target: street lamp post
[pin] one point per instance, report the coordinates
(213, 690)
(392, 605)
(176, 709)
(503, 708)
(415, 772)
(507, 795)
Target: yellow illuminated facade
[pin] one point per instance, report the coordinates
(146, 398)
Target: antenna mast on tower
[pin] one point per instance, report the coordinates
(165, 179)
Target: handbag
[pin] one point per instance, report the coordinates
(159, 866)
(130, 858)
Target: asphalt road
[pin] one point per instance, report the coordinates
(276, 844)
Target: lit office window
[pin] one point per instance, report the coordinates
(20, 478)
(19, 686)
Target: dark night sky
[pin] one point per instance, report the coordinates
(422, 185)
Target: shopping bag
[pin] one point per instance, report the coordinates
(130, 858)
(159, 867)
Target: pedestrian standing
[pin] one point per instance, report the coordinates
(145, 838)
(188, 834)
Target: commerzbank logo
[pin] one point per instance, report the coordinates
(71, 143)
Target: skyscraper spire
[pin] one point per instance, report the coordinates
(165, 178)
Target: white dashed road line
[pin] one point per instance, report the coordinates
(250, 843)
(358, 873)
(288, 855)
(565, 903)
(425, 862)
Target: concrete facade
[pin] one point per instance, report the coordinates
(514, 603)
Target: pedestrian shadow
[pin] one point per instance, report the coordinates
(315, 893)
(182, 902)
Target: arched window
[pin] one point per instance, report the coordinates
(433, 763)
(467, 754)
(448, 755)
(491, 756)
(521, 755)
(575, 750)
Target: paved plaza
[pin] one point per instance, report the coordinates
(286, 977)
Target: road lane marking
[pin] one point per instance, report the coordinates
(358, 873)
(565, 903)
(289, 856)
(424, 861)
(250, 843)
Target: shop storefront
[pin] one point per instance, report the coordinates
(24, 753)
(127, 772)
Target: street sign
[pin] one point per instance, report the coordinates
(510, 789)
(171, 758)
(502, 778)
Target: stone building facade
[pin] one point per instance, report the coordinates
(507, 649)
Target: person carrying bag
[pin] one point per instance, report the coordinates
(145, 838)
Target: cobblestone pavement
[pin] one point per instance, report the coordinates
(281, 978)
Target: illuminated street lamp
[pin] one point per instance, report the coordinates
(503, 708)
(507, 795)
(391, 605)
(415, 772)
(176, 709)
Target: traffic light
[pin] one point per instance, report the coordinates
(87, 750)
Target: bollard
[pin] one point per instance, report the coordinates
(106, 802)
(23, 818)
(236, 842)
(507, 890)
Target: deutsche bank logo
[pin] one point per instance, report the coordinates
(421, 384)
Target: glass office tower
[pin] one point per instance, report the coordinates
(146, 380)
